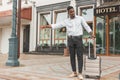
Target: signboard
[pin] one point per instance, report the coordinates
(107, 10)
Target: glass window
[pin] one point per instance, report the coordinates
(45, 19)
(60, 34)
(87, 13)
(101, 35)
(85, 33)
(114, 35)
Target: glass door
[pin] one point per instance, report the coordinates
(114, 35)
(101, 35)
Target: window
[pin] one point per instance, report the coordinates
(60, 34)
(45, 34)
(114, 34)
(101, 35)
(87, 14)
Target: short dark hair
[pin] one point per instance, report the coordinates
(69, 7)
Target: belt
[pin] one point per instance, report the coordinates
(74, 36)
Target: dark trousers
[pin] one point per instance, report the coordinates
(75, 45)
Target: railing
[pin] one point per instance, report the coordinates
(111, 0)
(108, 1)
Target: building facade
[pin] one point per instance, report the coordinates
(6, 25)
(56, 40)
(107, 27)
(105, 24)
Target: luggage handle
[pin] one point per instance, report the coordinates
(93, 56)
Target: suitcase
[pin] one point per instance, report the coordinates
(92, 63)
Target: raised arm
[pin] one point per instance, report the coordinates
(54, 26)
(45, 26)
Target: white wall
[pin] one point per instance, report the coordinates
(33, 30)
(6, 32)
(21, 39)
(4, 6)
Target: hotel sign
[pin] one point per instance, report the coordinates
(107, 10)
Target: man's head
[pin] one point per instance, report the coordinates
(71, 12)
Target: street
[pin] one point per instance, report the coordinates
(52, 67)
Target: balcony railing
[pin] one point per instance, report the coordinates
(108, 1)
(111, 0)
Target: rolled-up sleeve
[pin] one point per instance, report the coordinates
(85, 25)
(58, 25)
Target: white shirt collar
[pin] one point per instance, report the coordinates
(74, 18)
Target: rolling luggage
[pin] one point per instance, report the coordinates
(92, 63)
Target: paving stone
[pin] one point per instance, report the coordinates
(52, 67)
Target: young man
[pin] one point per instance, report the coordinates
(74, 25)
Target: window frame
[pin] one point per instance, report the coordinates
(39, 24)
(55, 16)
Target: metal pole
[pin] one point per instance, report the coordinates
(19, 24)
(13, 46)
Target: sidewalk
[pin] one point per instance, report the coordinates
(52, 67)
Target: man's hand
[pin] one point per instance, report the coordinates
(45, 26)
(92, 35)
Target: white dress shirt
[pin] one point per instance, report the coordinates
(74, 26)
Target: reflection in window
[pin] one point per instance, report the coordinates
(45, 19)
(86, 34)
(114, 35)
(87, 13)
(60, 34)
(100, 35)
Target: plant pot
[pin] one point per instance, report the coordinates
(66, 52)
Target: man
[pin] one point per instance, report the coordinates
(74, 25)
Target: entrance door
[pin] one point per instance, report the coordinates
(101, 35)
(114, 35)
(26, 35)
